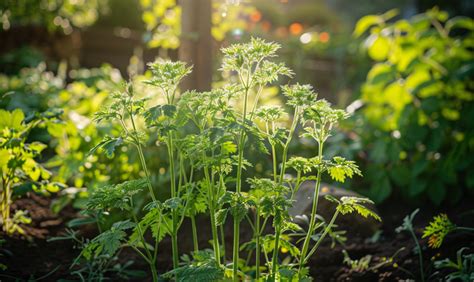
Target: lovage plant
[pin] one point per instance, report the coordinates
(208, 136)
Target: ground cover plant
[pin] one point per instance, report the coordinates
(207, 167)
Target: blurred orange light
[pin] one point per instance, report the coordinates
(296, 28)
(266, 25)
(255, 16)
(324, 37)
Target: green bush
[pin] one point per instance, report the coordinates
(70, 137)
(20, 169)
(419, 107)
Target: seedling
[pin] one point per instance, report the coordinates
(407, 226)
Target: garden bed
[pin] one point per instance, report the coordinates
(37, 258)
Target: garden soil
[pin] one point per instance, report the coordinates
(32, 257)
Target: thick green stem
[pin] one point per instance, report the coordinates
(313, 211)
(235, 254)
(221, 227)
(215, 235)
(275, 175)
(195, 236)
(223, 242)
(174, 214)
(257, 243)
(212, 215)
(275, 252)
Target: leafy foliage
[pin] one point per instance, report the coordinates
(115, 196)
(201, 268)
(418, 102)
(69, 136)
(462, 268)
(62, 15)
(207, 139)
(340, 168)
(108, 242)
(438, 228)
(19, 168)
(354, 204)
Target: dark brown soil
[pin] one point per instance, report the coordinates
(34, 257)
(31, 256)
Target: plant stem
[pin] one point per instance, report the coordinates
(235, 254)
(420, 255)
(215, 237)
(149, 258)
(212, 215)
(174, 215)
(145, 169)
(313, 211)
(469, 229)
(287, 144)
(223, 242)
(6, 201)
(320, 240)
(275, 251)
(220, 191)
(280, 182)
(140, 154)
(275, 175)
(195, 237)
(257, 242)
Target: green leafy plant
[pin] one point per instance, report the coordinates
(418, 104)
(97, 266)
(439, 228)
(462, 268)
(407, 226)
(69, 137)
(19, 166)
(208, 137)
(53, 15)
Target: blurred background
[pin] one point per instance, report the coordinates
(405, 73)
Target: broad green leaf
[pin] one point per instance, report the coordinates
(365, 23)
(460, 22)
(12, 119)
(4, 158)
(379, 48)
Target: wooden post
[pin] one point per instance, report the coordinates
(196, 43)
